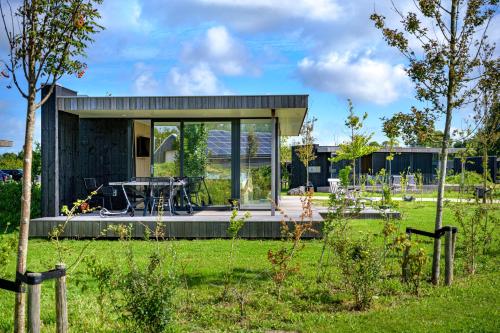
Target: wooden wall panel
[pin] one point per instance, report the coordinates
(69, 170)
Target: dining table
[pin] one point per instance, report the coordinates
(137, 185)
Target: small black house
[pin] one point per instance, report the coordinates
(406, 159)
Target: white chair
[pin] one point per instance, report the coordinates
(412, 184)
(334, 184)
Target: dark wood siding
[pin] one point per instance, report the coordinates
(183, 102)
(105, 149)
(50, 151)
(423, 162)
(69, 175)
(379, 162)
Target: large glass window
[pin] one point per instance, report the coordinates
(166, 158)
(207, 156)
(255, 163)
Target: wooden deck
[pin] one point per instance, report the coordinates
(201, 225)
(198, 226)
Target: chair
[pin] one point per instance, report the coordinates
(396, 182)
(412, 184)
(140, 191)
(91, 186)
(161, 192)
(109, 192)
(334, 185)
(194, 189)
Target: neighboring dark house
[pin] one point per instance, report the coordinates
(475, 164)
(406, 159)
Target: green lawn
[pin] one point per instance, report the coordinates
(471, 305)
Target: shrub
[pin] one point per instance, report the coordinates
(143, 297)
(344, 176)
(412, 259)
(235, 225)
(7, 251)
(10, 203)
(360, 266)
(470, 178)
(281, 260)
(477, 224)
(147, 296)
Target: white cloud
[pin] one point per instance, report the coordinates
(222, 52)
(124, 16)
(145, 83)
(351, 77)
(199, 80)
(322, 10)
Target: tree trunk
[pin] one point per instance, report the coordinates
(436, 257)
(462, 177)
(307, 174)
(22, 250)
(354, 172)
(485, 171)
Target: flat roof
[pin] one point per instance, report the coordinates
(433, 150)
(290, 109)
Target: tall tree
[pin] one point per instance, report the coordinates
(305, 151)
(391, 130)
(46, 39)
(444, 68)
(195, 149)
(359, 144)
(487, 115)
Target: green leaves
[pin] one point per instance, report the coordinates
(50, 40)
(447, 57)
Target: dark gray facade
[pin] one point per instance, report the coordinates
(411, 159)
(94, 136)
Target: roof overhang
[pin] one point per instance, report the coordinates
(290, 109)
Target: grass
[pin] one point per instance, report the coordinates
(471, 305)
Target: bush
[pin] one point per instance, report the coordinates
(142, 296)
(470, 178)
(360, 265)
(147, 296)
(344, 175)
(477, 224)
(10, 203)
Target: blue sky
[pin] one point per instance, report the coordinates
(328, 49)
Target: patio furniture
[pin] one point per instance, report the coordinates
(91, 186)
(141, 191)
(396, 183)
(108, 192)
(162, 192)
(179, 183)
(334, 185)
(412, 184)
(194, 189)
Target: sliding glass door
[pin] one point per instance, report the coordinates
(207, 156)
(222, 159)
(255, 163)
(166, 149)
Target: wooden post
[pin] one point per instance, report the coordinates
(34, 291)
(454, 239)
(404, 267)
(274, 162)
(448, 252)
(61, 302)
